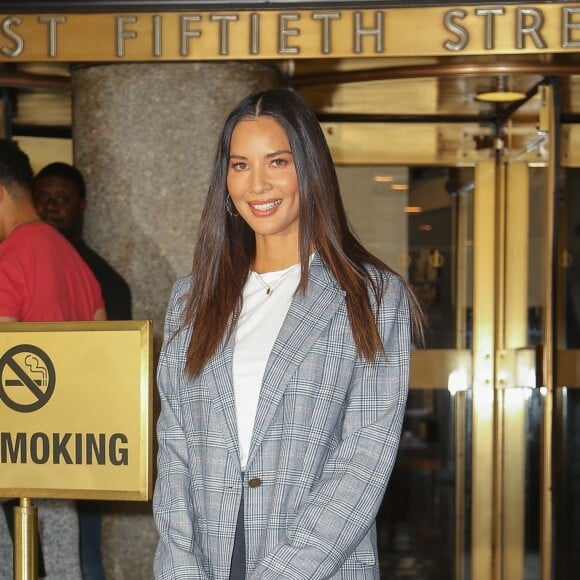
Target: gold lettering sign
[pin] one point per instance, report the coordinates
(247, 35)
(75, 410)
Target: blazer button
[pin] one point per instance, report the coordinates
(255, 482)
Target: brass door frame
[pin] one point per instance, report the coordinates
(504, 361)
(485, 230)
(511, 383)
(548, 124)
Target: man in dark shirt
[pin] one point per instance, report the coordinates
(60, 197)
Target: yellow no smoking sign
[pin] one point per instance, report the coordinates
(76, 410)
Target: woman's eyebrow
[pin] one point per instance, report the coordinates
(274, 153)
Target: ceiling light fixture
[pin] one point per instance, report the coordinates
(501, 93)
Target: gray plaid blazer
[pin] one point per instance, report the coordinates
(325, 439)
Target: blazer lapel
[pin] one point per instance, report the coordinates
(307, 317)
(218, 378)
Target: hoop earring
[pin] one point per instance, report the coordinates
(230, 207)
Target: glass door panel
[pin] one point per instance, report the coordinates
(520, 401)
(419, 220)
(567, 482)
(567, 390)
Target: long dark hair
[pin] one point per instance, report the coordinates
(225, 248)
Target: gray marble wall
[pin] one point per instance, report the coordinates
(144, 136)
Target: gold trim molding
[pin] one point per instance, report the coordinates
(272, 34)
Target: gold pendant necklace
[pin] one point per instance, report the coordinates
(271, 287)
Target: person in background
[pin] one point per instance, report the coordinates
(60, 196)
(59, 192)
(42, 279)
(284, 369)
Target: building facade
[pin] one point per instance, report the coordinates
(454, 127)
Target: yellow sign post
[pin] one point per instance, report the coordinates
(25, 534)
(75, 418)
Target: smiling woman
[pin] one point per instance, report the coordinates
(284, 369)
(263, 185)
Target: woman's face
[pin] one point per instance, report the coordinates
(262, 180)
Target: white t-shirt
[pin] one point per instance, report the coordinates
(257, 329)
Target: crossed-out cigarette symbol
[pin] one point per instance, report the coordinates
(36, 369)
(27, 378)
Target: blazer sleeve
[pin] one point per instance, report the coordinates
(343, 505)
(176, 556)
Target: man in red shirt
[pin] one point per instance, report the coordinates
(42, 279)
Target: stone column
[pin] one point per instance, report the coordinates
(144, 136)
